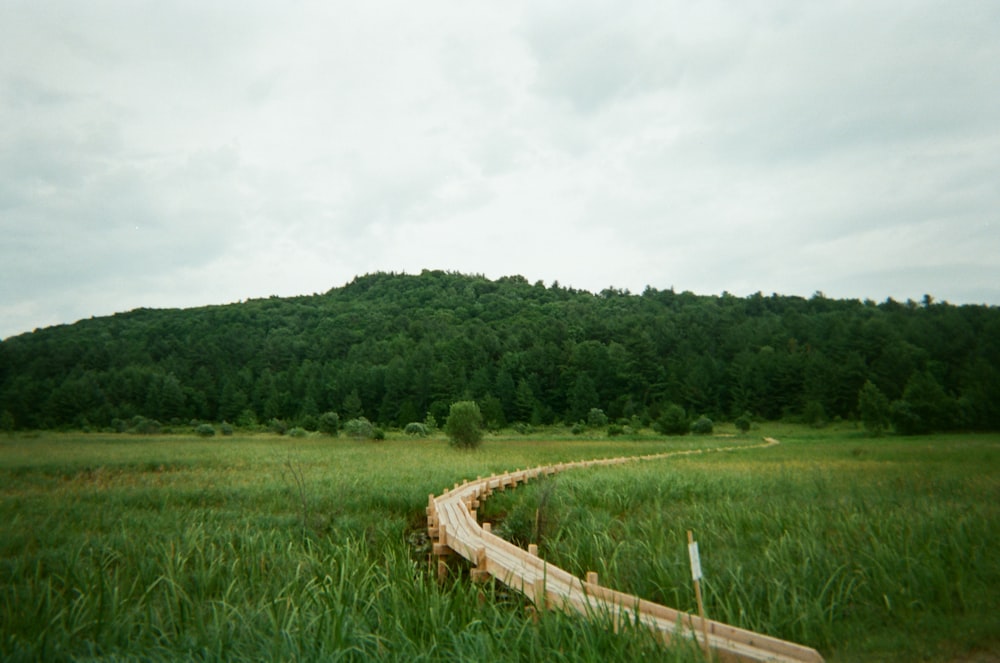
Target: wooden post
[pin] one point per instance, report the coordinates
(539, 593)
(696, 576)
(488, 527)
(533, 549)
(592, 578)
(480, 573)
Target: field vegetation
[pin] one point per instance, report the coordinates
(251, 547)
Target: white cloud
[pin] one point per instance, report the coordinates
(188, 154)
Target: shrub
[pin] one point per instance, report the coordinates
(205, 430)
(703, 426)
(742, 423)
(247, 419)
(144, 426)
(416, 429)
(226, 428)
(309, 422)
(523, 428)
(378, 434)
(578, 428)
(615, 430)
(329, 423)
(359, 428)
(298, 432)
(464, 424)
(596, 418)
(277, 426)
(672, 421)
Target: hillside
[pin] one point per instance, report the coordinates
(396, 347)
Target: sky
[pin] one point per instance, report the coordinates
(187, 153)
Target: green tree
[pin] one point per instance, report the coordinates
(492, 411)
(873, 408)
(673, 421)
(814, 414)
(329, 423)
(352, 405)
(582, 397)
(702, 426)
(925, 406)
(464, 425)
(596, 418)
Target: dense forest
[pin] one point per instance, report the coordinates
(396, 348)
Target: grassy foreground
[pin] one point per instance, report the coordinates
(266, 548)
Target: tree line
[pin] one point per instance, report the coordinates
(396, 349)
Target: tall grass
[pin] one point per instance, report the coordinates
(861, 548)
(119, 548)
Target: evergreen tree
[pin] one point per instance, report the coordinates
(873, 408)
(464, 425)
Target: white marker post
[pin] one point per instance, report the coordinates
(696, 576)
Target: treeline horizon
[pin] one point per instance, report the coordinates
(397, 348)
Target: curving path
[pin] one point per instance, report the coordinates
(452, 523)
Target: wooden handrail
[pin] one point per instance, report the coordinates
(453, 525)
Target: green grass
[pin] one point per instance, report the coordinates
(865, 549)
(265, 548)
(118, 547)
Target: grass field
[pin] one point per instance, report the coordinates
(268, 548)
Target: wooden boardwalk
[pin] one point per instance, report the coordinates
(452, 523)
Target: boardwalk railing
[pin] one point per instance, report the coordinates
(453, 524)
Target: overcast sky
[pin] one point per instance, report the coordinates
(176, 154)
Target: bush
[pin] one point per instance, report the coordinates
(430, 422)
(277, 426)
(144, 426)
(205, 430)
(378, 434)
(298, 432)
(359, 428)
(464, 424)
(329, 423)
(523, 428)
(596, 418)
(742, 423)
(703, 426)
(615, 430)
(247, 419)
(578, 428)
(227, 428)
(416, 429)
(672, 421)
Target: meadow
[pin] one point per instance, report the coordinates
(258, 547)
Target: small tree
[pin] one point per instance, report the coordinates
(596, 418)
(416, 429)
(703, 426)
(329, 423)
(205, 430)
(742, 424)
(360, 428)
(464, 425)
(673, 421)
(874, 409)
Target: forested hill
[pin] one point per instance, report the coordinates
(395, 347)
